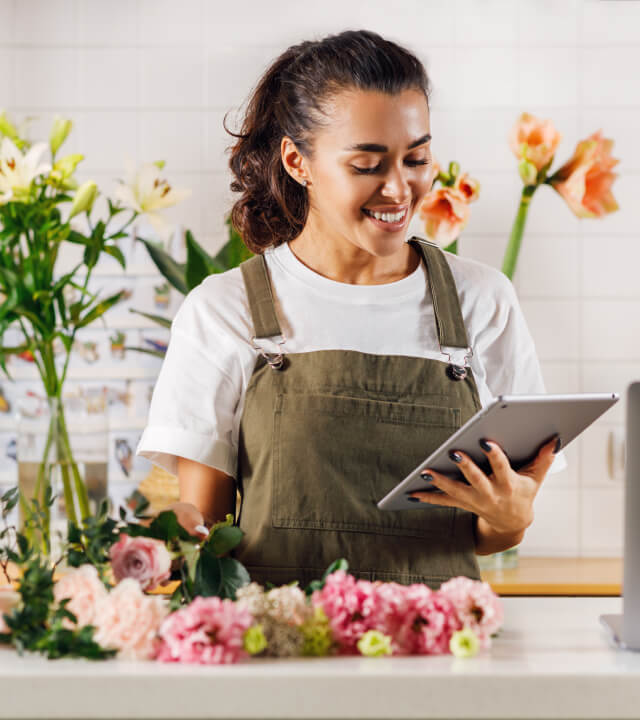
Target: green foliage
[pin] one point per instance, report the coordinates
(340, 564)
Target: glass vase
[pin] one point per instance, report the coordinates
(62, 451)
(507, 559)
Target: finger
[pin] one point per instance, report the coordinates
(202, 529)
(455, 489)
(539, 466)
(476, 477)
(437, 499)
(500, 464)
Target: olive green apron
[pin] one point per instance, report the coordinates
(324, 435)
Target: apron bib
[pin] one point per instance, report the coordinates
(324, 435)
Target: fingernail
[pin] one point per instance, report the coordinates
(426, 476)
(456, 457)
(484, 445)
(413, 499)
(558, 444)
(202, 529)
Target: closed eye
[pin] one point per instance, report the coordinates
(366, 171)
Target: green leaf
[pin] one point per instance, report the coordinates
(233, 576)
(199, 263)
(116, 253)
(224, 539)
(191, 553)
(165, 322)
(173, 271)
(208, 576)
(233, 252)
(99, 309)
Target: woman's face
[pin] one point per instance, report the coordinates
(390, 172)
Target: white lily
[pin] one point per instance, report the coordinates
(17, 171)
(146, 192)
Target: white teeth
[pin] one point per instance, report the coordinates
(388, 217)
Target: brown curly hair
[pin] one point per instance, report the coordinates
(289, 99)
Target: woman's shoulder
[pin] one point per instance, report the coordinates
(477, 282)
(215, 311)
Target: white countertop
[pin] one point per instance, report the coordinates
(552, 659)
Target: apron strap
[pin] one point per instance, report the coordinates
(446, 303)
(261, 304)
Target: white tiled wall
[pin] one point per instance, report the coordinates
(153, 78)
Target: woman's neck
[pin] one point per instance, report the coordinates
(347, 263)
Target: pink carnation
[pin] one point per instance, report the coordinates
(128, 620)
(209, 631)
(85, 591)
(352, 606)
(477, 606)
(419, 620)
(144, 559)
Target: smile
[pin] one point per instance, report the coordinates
(391, 221)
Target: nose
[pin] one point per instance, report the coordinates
(396, 185)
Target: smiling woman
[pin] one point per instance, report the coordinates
(316, 375)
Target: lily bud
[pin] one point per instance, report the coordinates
(454, 169)
(59, 132)
(528, 172)
(7, 127)
(84, 198)
(159, 164)
(66, 166)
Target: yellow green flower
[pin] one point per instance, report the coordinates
(317, 634)
(59, 132)
(84, 198)
(464, 643)
(375, 644)
(254, 640)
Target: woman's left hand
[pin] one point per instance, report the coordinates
(504, 498)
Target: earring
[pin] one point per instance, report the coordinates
(303, 183)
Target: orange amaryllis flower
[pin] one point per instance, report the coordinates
(534, 140)
(445, 212)
(585, 180)
(468, 186)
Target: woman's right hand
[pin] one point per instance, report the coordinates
(191, 519)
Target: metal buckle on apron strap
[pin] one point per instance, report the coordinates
(274, 359)
(458, 372)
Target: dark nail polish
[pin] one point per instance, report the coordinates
(558, 445)
(484, 445)
(413, 499)
(456, 457)
(427, 477)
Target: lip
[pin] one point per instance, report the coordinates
(387, 208)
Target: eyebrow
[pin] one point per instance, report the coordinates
(375, 147)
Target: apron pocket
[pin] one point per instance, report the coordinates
(336, 456)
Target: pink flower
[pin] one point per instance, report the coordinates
(585, 180)
(476, 605)
(209, 631)
(352, 606)
(534, 140)
(128, 620)
(420, 621)
(84, 589)
(144, 559)
(445, 212)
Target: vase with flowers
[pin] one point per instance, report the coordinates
(45, 218)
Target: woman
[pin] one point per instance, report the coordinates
(315, 376)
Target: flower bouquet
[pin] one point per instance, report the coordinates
(144, 589)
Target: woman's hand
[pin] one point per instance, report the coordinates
(191, 519)
(504, 499)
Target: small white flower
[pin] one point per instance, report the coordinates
(17, 171)
(146, 192)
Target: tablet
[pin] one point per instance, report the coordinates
(520, 424)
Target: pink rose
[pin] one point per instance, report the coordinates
(84, 589)
(128, 620)
(144, 559)
(209, 631)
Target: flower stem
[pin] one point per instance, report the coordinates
(515, 239)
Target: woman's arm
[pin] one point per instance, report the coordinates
(211, 491)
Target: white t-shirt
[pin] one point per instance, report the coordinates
(199, 395)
